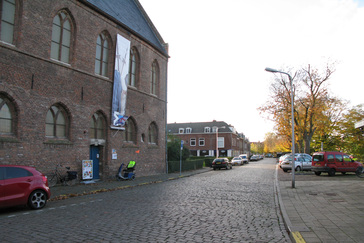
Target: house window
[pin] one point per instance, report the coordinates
(133, 67)
(221, 142)
(181, 130)
(130, 131)
(7, 15)
(193, 141)
(61, 37)
(188, 130)
(154, 78)
(207, 130)
(102, 55)
(6, 117)
(201, 142)
(153, 134)
(97, 127)
(56, 122)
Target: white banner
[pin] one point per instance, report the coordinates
(121, 75)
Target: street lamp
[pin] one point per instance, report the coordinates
(217, 141)
(292, 115)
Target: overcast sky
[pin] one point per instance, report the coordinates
(219, 49)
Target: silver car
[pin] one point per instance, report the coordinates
(302, 162)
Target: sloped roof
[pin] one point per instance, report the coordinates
(198, 127)
(131, 15)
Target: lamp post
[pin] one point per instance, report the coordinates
(292, 122)
(217, 141)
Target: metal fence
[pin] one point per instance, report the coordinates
(174, 166)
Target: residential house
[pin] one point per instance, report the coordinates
(216, 138)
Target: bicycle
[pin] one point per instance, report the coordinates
(69, 179)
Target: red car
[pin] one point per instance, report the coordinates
(332, 162)
(23, 185)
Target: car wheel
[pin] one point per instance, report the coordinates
(298, 168)
(359, 172)
(317, 173)
(285, 170)
(331, 172)
(214, 168)
(37, 199)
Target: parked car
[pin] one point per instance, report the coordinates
(254, 158)
(302, 162)
(281, 158)
(221, 163)
(332, 162)
(245, 159)
(237, 161)
(23, 185)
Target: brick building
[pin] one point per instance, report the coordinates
(56, 86)
(200, 138)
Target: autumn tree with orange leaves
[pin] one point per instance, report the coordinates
(312, 102)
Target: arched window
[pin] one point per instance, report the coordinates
(7, 15)
(6, 117)
(102, 55)
(154, 78)
(134, 67)
(61, 37)
(97, 127)
(56, 122)
(130, 131)
(153, 133)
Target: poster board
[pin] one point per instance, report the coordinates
(87, 172)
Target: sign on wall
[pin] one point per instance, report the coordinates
(87, 172)
(121, 75)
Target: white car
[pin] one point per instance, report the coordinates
(244, 158)
(302, 162)
(237, 161)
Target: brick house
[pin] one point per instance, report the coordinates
(200, 138)
(56, 86)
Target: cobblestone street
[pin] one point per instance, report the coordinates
(237, 205)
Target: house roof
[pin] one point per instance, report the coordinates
(131, 15)
(198, 127)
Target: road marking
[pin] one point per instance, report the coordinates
(53, 208)
(298, 237)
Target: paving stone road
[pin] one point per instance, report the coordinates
(237, 205)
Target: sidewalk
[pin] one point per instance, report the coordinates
(63, 192)
(323, 208)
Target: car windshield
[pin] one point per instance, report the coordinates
(244, 157)
(219, 160)
(236, 158)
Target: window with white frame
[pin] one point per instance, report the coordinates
(181, 130)
(193, 142)
(188, 130)
(221, 142)
(201, 141)
(207, 129)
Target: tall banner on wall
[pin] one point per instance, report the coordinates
(121, 74)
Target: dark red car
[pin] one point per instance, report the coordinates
(23, 185)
